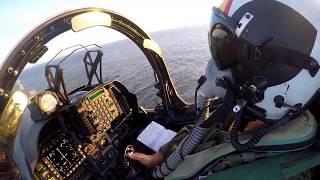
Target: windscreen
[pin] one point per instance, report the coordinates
(122, 60)
(76, 66)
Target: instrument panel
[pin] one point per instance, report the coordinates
(98, 109)
(68, 154)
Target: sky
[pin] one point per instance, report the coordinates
(21, 16)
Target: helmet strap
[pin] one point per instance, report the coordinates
(290, 57)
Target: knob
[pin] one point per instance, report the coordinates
(116, 142)
(103, 142)
(111, 154)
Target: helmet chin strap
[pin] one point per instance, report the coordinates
(236, 51)
(291, 57)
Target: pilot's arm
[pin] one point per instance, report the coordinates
(155, 159)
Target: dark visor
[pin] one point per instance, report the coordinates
(226, 49)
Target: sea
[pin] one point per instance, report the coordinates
(186, 53)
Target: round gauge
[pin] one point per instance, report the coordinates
(48, 102)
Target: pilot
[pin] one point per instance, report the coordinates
(262, 52)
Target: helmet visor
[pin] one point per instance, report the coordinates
(224, 49)
(223, 43)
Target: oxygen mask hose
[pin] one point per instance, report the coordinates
(187, 145)
(202, 126)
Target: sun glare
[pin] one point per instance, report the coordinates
(90, 19)
(150, 15)
(217, 3)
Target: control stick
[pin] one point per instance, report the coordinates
(127, 161)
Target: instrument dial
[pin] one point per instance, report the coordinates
(48, 102)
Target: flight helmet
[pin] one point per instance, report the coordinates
(270, 51)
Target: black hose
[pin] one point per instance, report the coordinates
(249, 145)
(185, 147)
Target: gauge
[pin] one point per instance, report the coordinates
(63, 158)
(62, 155)
(48, 102)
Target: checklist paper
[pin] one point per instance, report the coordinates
(155, 135)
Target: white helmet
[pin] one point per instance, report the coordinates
(269, 50)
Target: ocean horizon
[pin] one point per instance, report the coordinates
(186, 54)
